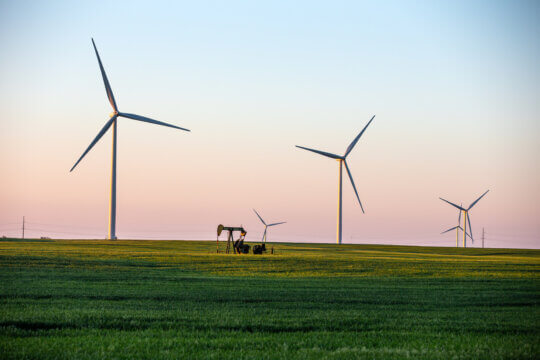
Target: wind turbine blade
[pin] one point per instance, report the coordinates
(470, 229)
(278, 223)
(354, 186)
(323, 153)
(459, 207)
(148, 120)
(351, 146)
(105, 80)
(455, 227)
(477, 200)
(96, 139)
(260, 218)
(459, 217)
(264, 234)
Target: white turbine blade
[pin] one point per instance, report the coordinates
(459, 207)
(354, 186)
(260, 218)
(460, 228)
(351, 146)
(96, 139)
(278, 223)
(477, 200)
(470, 228)
(105, 80)
(323, 153)
(459, 217)
(264, 234)
(455, 227)
(148, 120)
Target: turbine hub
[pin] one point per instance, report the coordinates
(114, 113)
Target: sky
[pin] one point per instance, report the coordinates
(454, 86)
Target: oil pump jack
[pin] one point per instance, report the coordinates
(237, 246)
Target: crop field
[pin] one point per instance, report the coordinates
(179, 299)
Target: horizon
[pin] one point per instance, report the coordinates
(223, 240)
(454, 88)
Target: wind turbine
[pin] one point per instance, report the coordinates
(342, 160)
(457, 228)
(466, 217)
(112, 123)
(266, 225)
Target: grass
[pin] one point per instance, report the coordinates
(165, 299)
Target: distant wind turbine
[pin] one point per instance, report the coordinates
(112, 122)
(342, 160)
(457, 228)
(466, 218)
(266, 226)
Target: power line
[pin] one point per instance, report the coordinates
(63, 226)
(60, 232)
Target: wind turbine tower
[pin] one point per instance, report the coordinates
(342, 160)
(112, 122)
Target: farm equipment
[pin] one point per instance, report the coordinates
(237, 246)
(259, 249)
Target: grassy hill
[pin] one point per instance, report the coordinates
(179, 299)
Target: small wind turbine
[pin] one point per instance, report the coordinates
(112, 122)
(342, 160)
(466, 218)
(266, 225)
(457, 228)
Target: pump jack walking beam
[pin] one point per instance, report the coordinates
(230, 237)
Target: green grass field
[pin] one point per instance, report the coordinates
(168, 300)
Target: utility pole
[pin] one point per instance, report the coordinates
(483, 237)
(23, 227)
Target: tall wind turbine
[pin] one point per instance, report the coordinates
(266, 226)
(112, 123)
(466, 217)
(342, 160)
